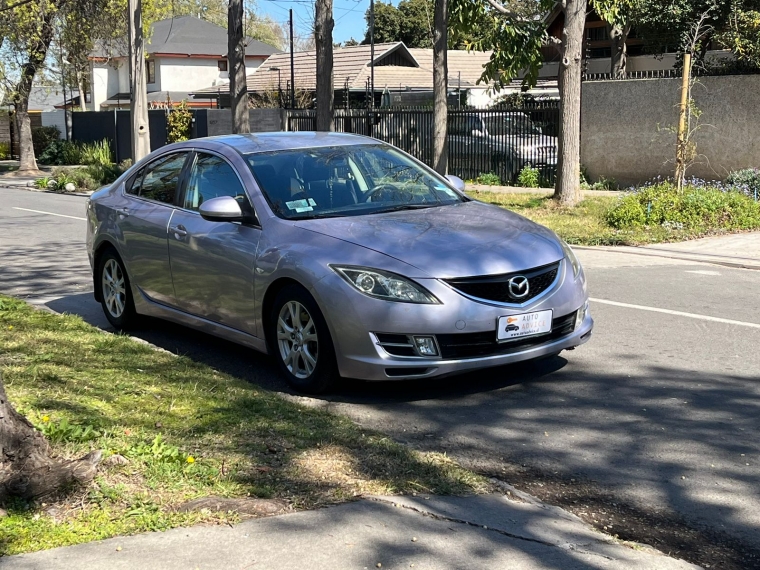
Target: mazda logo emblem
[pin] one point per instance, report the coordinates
(519, 287)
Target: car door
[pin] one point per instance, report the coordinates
(144, 222)
(212, 263)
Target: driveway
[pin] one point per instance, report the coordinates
(654, 421)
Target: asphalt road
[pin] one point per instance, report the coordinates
(661, 409)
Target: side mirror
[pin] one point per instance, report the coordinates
(456, 182)
(222, 209)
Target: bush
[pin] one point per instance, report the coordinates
(43, 137)
(746, 181)
(179, 123)
(529, 177)
(96, 153)
(61, 152)
(695, 208)
(5, 150)
(488, 179)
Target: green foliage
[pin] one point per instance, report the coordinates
(515, 38)
(42, 137)
(411, 22)
(63, 431)
(5, 150)
(179, 123)
(488, 179)
(746, 180)
(97, 153)
(695, 208)
(61, 152)
(601, 184)
(742, 35)
(43, 183)
(529, 177)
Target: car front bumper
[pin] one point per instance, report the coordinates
(355, 320)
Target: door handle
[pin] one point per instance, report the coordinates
(124, 212)
(179, 231)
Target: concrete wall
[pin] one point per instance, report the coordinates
(620, 119)
(55, 119)
(261, 120)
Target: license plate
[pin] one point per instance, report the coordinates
(527, 324)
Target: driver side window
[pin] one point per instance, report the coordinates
(211, 177)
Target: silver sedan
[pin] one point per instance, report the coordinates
(337, 254)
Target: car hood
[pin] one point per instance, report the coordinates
(459, 240)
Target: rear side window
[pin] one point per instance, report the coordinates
(161, 178)
(211, 177)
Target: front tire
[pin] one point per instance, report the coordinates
(115, 291)
(301, 342)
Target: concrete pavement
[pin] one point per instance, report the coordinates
(487, 532)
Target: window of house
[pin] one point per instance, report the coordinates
(151, 71)
(222, 65)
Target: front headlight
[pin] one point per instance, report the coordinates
(384, 285)
(570, 256)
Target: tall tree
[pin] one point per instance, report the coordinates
(516, 36)
(27, 29)
(440, 85)
(323, 33)
(236, 57)
(619, 15)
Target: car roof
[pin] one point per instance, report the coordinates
(272, 141)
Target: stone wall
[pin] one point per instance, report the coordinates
(624, 127)
(261, 120)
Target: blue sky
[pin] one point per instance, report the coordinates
(348, 15)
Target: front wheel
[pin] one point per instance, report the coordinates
(115, 292)
(301, 341)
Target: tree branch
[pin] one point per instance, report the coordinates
(501, 9)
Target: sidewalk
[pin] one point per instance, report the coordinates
(734, 250)
(487, 532)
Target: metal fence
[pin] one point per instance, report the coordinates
(499, 141)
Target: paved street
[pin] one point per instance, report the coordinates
(660, 410)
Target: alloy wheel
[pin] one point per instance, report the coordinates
(297, 339)
(114, 288)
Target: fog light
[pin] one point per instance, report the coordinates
(425, 345)
(580, 316)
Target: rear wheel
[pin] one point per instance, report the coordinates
(301, 342)
(115, 292)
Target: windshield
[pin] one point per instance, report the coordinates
(346, 181)
(514, 124)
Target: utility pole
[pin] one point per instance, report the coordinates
(138, 102)
(372, 51)
(323, 28)
(236, 59)
(292, 67)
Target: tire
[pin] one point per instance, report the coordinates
(115, 291)
(300, 341)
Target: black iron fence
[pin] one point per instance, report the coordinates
(498, 141)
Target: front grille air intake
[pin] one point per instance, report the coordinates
(496, 287)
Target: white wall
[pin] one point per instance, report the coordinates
(187, 74)
(55, 119)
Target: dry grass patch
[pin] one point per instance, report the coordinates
(186, 430)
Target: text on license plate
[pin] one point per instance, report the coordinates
(526, 324)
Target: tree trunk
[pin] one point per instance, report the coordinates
(440, 87)
(37, 55)
(80, 86)
(138, 105)
(619, 56)
(323, 29)
(26, 468)
(236, 62)
(567, 189)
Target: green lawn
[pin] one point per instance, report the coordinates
(187, 430)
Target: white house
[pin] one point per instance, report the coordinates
(183, 54)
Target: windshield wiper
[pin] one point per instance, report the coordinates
(316, 216)
(401, 207)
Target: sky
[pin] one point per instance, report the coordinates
(348, 16)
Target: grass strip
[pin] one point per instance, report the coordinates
(187, 431)
(586, 223)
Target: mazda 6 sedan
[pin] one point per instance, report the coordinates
(337, 254)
